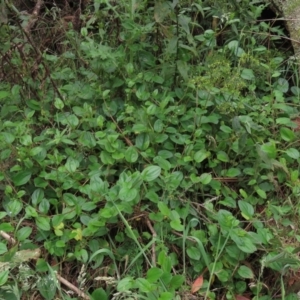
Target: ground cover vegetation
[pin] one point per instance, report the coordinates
(149, 150)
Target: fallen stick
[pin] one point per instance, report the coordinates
(72, 287)
(8, 237)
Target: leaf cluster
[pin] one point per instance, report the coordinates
(160, 145)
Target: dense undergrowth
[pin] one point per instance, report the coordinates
(155, 147)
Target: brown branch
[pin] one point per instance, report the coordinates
(7, 237)
(154, 235)
(34, 15)
(72, 287)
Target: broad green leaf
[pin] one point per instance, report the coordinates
(234, 47)
(233, 172)
(261, 193)
(194, 178)
(176, 225)
(163, 163)
(247, 74)
(157, 217)
(164, 261)
(40, 182)
(3, 248)
(184, 22)
(117, 156)
(152, 109)
(205, 178)
(67, 141)
(69, 199)
(72, 164)
(77, 235)
(99, 294)
(193, 253)
(69, 213)
(47, 286)
(21, 178)
(222, 156)
(13, 206)
(285, 121)
(165, 154)
(138, 128)
(4, 94)
(26, 140)
(226, 219)
(143, 285)
(223, 275)
(229, 202)
(164, 209)
(57, 221)
(270, 149)
(106, 158)
(246, 208)
(176, 221)
(150, 173)
(177, 282)
(44, 206)
(3, 277)
(158, 125)
(287, 134)
(88, 206)
(152, 196)
(142, 141)
(160, 138)
(244, 243)
(142, 93)
(166, 295)
(179, 139)
(293, 153)
(294, 175)
(245, 272)
(23, 233)
(131, 154)
(183, 69)
(173, 180)
(72, 120)
(109, 108)
(128, 193)
(31, 211)
(154, 274)
(225, 129)
(87, 139)
(35, 151)
(282, 85)
(125, 284)
(201, 155)
(58, 103)
(7, 137)
(37, 196)
(43, 223)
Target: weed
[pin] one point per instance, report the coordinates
(155, 147)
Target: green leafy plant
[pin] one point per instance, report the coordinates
(157, 144)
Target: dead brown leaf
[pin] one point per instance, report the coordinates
(196, 286)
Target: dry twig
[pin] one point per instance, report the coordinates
(72, 287)
(154, 235)
(6, 236)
